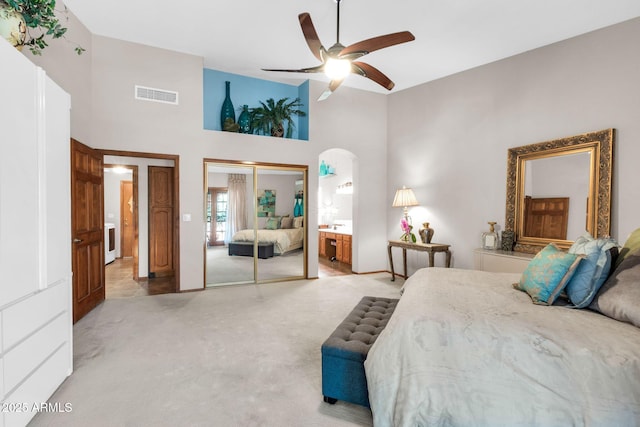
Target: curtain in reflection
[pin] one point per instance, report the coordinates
(237, 210)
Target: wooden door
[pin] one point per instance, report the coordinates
(126, 219)
(546, 217)
(161, 212)
(87, 229)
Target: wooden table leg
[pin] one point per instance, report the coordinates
(404, 262)
(393, 274)
(431, 260)
(448, 258)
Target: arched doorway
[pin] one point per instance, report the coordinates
(337, 196)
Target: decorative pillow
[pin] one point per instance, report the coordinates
(547, 274)
(287, 222)
(592, 271)
(630, 246)
(297, 222)
(619, 297)
(272, 223)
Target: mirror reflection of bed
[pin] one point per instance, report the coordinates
(263, 214)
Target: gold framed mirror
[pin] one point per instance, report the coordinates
(557, 190)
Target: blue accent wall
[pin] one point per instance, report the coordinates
(249, 91)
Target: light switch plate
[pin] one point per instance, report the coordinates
(186, 217)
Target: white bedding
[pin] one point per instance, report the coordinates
(463, 348)
(283, 239)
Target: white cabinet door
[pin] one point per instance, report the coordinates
(19, 203)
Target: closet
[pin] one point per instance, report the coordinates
(255, 222)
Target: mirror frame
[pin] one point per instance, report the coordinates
(600, 145)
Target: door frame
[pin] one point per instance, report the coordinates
(176, 201)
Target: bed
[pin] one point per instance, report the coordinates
(284, 239)
(464, 348)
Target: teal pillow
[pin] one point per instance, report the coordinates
(547, 274)
(272, 223)
(593, 269)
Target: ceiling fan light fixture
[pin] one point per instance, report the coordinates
(337, 69)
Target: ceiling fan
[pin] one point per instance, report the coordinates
(338, 61)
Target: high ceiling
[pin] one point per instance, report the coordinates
(243, 36)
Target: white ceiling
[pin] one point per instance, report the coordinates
(243, 36)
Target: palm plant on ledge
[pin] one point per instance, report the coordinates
(269, 118)
(19, 17)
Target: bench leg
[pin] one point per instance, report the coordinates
(329, 400)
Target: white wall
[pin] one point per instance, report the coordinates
(450, 137)
(335, 207)
(71, 71)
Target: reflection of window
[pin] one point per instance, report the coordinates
(217, 205)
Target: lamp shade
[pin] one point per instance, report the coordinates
(404, 197)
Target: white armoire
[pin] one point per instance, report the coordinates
(35, 238)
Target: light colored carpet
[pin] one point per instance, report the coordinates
(245, 355)
(224, 269)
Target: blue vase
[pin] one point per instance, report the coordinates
(227, 111)
(297, 209)
(244, 120)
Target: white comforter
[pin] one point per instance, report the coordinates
(463, 348)
(284, 239)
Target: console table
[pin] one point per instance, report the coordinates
(431, 248)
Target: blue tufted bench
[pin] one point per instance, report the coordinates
(344, 352)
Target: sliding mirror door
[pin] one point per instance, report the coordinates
(254, 223)
(228, 210)
(280, 213)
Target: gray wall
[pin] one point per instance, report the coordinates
(117, 121)
(449, 138)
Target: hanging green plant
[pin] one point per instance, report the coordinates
(269, 119)
(38, 15)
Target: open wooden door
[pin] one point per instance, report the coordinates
(87, 229)
(126, 219)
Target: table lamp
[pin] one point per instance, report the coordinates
(403, 199)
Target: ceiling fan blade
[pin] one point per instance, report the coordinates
(316, 69)
(377, 43)
(310, 35)
(325, 94)
(333, 85)
(370, 72)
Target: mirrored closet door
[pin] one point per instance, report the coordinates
(254, 223)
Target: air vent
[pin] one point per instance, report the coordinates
(156, 95)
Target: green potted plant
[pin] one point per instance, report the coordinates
(19, 17)
(269, 118)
